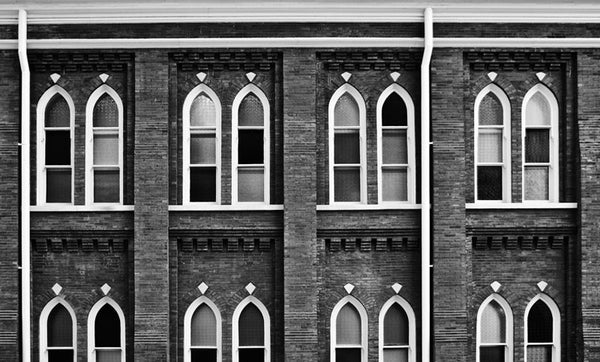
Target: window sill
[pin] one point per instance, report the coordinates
(520, 205)
(213, 207)
(391, 206)
(81, 208)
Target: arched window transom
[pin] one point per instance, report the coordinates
(58, 327)
(542, 330)
(202, 332)
(349, 331)
(106, 332)
(251, 332)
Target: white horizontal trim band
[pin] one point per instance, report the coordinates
(240, 207)
(520, 206)
(365, 207)
(81, 208)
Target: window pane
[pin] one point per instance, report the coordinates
(204, 327)
(394, 111)
(537, 145)
(108, 356)
(346, 184)
(537, 111)
(251, 327)
(395, 326)
(347, 355)
(539, 323)
(251, 147)
(106, 150)
(60, 327)
(106, 113)
(107, 327)
(536, 183)
(106, 186)
(490, 145)
(58, 113)
(346, 111)
(203, 112)
(347, 147)
(489, 183)
(348, 328)
(205, 355)
(394, 183)
(396, 355)
(60, 356)
(493, 324)
(252, 355)
(203, 184)
(58, 147)
(251, 111)
(492, 354)
(251, 185)
(539, 353)
(490, 111)
(394, 147)
(203, 148)
(59, 185)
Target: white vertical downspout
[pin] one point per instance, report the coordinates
(25, 209)
(425, 189)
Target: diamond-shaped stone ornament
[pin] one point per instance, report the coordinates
(250, 76)
(492, 76)
(542, 285)
(56, 288)
(105, 288)
(346, 76)
(540, 75)
(104, 77)
(55, 77)
(395, 76)
(396, 287)
(495, 286)
(250, 288)
(201, 76)
(349, 288)
(203, 287)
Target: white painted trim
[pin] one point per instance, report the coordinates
(412, 329)
(362, 117)
(506, 139)
(235, 338)
(266, 127)
(187, 106)
(555, 325)
(41, 143)
(89, 142)
(82, 208)
(553, 169)
(187, 332)
(364, 325)
(509, 342)
(521, 206)
(516, 42)
(410, 142)
(366, 207)
(237, 207)
(44, 327)
(91, 324)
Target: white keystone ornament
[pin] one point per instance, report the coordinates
(396, 287)
(495, 286)
(492, 76)
(250, 288)
(542, 285)
(57, 289)
(203, 287)
(349, 288)
(104, 77)
(395, 76)
(201, 76)
(251, 76)
(55, 77)
(346, 76)
(540, 75)
(105, 288)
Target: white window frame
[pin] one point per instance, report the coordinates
(41, 145)
(187, 325)
(553, 165)
(187, 134)
(506, 143)
(412, 329)
(362, 116)
(410, 144)
(92, 331)
(250, 88)
(509, 344)
(364, 320)
(44, 328)
(90, 131)
(235, 338)
(555, 326)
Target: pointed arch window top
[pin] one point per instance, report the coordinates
(538, 111)
(395, 326)
(394, 112)
(493, 324)
(204, 327)
(58, 112)
(251, 112)
(346, 112)
(251, 326)
(203, 112)
(348, 325)
(60, 327)
(539, 326)
(491, 112)
(106, 112)
(108, 327)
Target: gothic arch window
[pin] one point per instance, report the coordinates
(104, 147)
(492, 145)
(347, 146)
(542, 330)
(494, 330)
(251, 146)
(540, 145)
(348, 328)
(106, 332)
(55, 125)
(251, 340)
(202, 332)
(397, 331)
(396, 146)
(58, 332)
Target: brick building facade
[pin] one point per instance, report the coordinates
(218, 182)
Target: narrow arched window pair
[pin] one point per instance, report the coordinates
(349, 326)
(251, 332)
(202, 146)
(348, 150)
(495, 330)
(58, 332)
